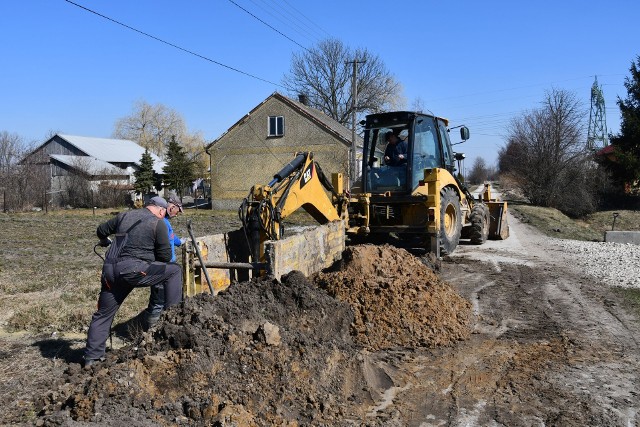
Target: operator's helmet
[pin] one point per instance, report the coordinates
(403, 134)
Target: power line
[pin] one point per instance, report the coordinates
(274, 29)
(304, 16)
(284, 16)
(173, 45)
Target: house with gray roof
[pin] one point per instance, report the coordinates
(96, 160)
(256, 147)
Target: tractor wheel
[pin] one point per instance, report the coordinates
(450, 220)
(479, 218)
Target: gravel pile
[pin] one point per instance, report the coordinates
(614, 264)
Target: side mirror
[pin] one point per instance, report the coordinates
(464, 133)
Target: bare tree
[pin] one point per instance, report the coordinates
(418, 105)
(21, 186)
(25, 186)
(194, 145)
(12, 149)
(152, 126)
(324, 75)
(76, 186)
(547, 156)
(479, 171)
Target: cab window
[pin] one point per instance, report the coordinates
(446, 145)
(382, 177)
(426, 151)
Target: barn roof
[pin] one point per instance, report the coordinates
(90, 165)
(109, 150)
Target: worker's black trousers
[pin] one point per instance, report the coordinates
(118, 280)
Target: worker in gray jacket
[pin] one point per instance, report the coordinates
(139, 256)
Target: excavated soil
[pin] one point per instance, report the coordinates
(397, 300)
(300, 352)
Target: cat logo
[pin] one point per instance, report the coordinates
(307, 175)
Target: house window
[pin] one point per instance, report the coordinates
(276, 125)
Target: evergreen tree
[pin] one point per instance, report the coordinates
(624, 165)
(145, 176)
(178, 171)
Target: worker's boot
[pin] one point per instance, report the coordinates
(150, 319)
(88, 363)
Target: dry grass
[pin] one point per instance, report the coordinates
(50, 275)
(603, 221)
(554, 223)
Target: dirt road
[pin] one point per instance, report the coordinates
(550, 346)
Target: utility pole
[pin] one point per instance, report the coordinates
(354, 106)
(597, 135)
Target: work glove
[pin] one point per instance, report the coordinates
(105, 242)
(183, 241)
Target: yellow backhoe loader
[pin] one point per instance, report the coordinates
(422, 197)
(410, 192)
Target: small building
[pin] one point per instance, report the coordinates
(259, 144)
(97, 161)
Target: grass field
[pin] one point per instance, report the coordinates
(50, 275)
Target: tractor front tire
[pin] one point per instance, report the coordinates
(479, 218)
(450, 220)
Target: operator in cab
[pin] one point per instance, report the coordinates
(396, 152)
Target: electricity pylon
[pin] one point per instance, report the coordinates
(597, 136)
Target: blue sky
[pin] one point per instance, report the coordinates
(477, 63)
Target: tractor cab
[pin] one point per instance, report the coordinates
(399, 146)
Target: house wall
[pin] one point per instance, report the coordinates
(245, 155)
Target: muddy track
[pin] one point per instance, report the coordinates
(550, 347)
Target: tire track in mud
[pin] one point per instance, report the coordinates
(550, 346)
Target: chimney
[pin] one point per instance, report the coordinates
(303, 99)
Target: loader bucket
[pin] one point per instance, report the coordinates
(498, 224)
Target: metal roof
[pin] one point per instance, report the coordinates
(90, 165)
(112, 150)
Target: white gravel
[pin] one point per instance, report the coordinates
(614, 264)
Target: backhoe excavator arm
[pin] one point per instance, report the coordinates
(299, 184)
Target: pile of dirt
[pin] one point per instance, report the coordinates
(397, 300)
(268, 353)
